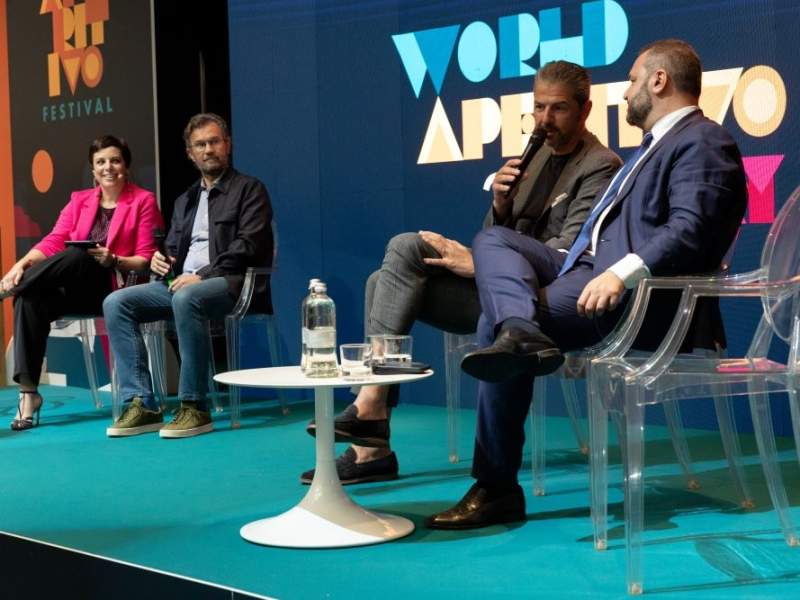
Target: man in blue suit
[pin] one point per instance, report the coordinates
(672, 209)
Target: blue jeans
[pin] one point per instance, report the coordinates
(190, 307)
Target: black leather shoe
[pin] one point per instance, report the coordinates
(349, 428)
(481, 507)
(380, 469)
(513, 353)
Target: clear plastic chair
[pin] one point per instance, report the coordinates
(622, 384)
(455, 347)
(155, 334)
(574, 369)
(89, 326)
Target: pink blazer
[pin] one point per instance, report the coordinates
(130, 232)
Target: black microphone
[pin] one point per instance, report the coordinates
(535, 142)
(160, 239)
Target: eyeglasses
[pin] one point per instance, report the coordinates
(200, 145)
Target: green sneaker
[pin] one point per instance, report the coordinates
(188, 422)
(135, 420)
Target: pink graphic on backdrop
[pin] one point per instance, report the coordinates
(24, 226)
(760, 172)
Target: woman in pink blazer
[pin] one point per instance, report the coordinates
(56, 278)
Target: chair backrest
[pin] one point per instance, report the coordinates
(780, 261)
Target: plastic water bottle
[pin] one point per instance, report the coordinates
(320, 334)
(304, 324)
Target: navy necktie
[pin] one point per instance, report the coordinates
(584, 238)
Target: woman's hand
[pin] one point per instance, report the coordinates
(103, 256)
(12, 278)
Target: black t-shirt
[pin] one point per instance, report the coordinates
(542, 188)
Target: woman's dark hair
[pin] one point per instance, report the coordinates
(110, 141)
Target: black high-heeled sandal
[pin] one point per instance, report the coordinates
(23, 423)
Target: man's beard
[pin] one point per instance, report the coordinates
(560, 138)
(213, 171)
(639, 108)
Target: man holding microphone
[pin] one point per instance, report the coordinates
(427, 277)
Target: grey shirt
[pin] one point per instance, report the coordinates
(197, 258)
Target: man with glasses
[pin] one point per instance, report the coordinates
(220, 226)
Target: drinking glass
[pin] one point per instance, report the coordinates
(397, 349)
(356, 361)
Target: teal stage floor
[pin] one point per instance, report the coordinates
(177, 506)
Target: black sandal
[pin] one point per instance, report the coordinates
(23, 423)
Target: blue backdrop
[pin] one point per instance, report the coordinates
(370, 118)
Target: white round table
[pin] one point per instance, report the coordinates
(326, 517)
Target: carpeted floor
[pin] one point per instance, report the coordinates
(177, 506)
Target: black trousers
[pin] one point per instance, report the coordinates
(70, 282)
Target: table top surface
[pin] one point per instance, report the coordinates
(293, 377)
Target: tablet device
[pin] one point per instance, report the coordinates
(84, 244)
(412, 368)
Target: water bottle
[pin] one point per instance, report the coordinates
(320, 334)
(304, 324)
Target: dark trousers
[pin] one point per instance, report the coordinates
(70, 282)
(517, 276)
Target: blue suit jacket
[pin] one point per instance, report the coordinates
(679, 211)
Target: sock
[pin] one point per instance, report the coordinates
(198, 404)
(519, 323)
(149, 402)
(498, 489)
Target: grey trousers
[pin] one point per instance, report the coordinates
(405, 290)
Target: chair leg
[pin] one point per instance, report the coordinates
(116, 398)
(634, 487)
(765, 440)
(87, 344)
(538, 434)
(574, 411)
(452, 370)
(794, 407)
(232, 347)
(277, 358)
(672, 413)
(155, 342)
(598, 462)
(733, 451)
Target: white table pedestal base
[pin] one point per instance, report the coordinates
(326, 517)
(300, 528)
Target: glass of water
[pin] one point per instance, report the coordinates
(376, 342)
(397, 349)
(356, 361)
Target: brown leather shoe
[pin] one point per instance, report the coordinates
(513, 353)
(481, 507)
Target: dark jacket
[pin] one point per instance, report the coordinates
(679, 211)
(557, 223)
(240, 232)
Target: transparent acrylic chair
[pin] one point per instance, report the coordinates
(89, 327)
(155, 333)
(624, 385)
(573, 370)
(455, 347)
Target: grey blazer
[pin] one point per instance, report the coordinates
(558, 220)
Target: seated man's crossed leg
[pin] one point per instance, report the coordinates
(404, 290)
